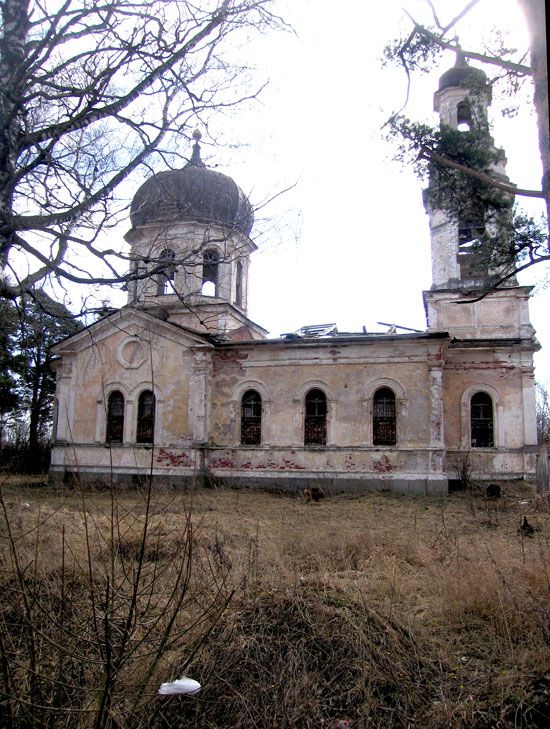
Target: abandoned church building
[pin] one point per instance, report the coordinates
(180, 382)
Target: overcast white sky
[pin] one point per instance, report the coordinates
(350, 243)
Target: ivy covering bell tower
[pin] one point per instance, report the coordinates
(470, 220)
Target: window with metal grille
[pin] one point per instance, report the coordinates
(315, 421)
(210, 266)
(481, 420)
(145, 432)
(165, 278)
(115, 417)
(384, 421)
(251, 418)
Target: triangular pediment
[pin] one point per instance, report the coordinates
(132, 322)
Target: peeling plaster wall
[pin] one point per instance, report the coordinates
(477, 371)
(348, 373)
(505, 314)
(507, 375)
(129, 359)
(199, 389)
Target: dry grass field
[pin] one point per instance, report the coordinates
(379, 610)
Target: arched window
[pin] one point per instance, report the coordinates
(464, 116)
(165, 278)
(145, 432)
(210, 265)
(384, 420)
(481, 421)
(239, 283)
(315, 421)
(115, 417)
(251, 418)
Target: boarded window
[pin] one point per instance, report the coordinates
(315, 425)
(145, 432)
(165, 279)
(115, 417)
(481, 420)
(251, 418)
(210, 266)
(384, 421)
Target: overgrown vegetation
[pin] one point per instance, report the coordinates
(462, 164)
(506, 239)
(382, 611)
(29, 326)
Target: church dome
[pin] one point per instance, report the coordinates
(192, 193)
(461, 74)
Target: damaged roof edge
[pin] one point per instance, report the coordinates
(335, 341)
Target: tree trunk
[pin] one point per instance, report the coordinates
(15, 22)
(536, 23)
(35, 459)
(33, 429)
(542, 470)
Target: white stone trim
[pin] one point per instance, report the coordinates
(199, 396)
(529, 405)
(437, 419)
(394, 385)
(142, 354)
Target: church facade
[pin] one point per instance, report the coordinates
(181, 384)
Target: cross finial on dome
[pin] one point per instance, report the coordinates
(196, 155)
(460, 60)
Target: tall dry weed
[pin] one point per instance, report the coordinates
(388, 612)
(99, 605)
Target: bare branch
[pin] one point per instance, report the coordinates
(459, 17)
(428, 154)
(77, 119)
(453, 45)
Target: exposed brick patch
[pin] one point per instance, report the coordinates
(349, 462)
(173, 459)
(221, 463)
(383, 465)
(228, 361)
(285, 465)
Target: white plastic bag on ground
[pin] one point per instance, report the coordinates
(183, 685)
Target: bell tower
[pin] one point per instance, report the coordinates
(190, 249)
(460, 267)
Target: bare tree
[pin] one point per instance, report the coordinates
(91, 89)
(543, 412)
(463, 170)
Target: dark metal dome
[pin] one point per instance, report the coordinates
(461, 74)
(192, 193)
